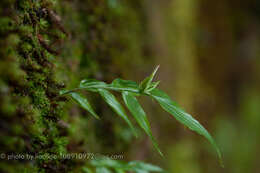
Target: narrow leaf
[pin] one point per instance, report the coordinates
(92, 84)
(140, 116)
(116, 106)
(168, 105)
(121, 166)
(83, 102)
(116, 85)
(141, 166)
(125, 85)
(119, 171)
(86, 170)
(145, 84)
(102, 170)
(106, 162)
(152, 86)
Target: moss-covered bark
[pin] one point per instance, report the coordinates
(44, 44)
(29, 90)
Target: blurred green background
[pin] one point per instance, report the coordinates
(209, 57)
(208, 52)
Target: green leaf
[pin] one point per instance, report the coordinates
(119, 171)
(86, 170)
(116, 106)
(106, 162)
(145, 84)
(152, 86)
(92, 84)
(121, 166)
(125, 85)
(141, 166)
(83, 102)
(62, 92)
(102, 170)
(140, 116)
(116, 85)
(171, 107)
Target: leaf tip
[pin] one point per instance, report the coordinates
(156, 69)
(62, 92)
(135, 134)
(161, 154)
(221, 162)
(97, 117)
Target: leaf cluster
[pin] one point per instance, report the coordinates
(106, 165)
(130, 90)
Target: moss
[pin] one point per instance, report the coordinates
(13, 40)
(40, 101)
(24, 5)
(28, 85)
(26, 48)
(6, 24)
(33, 69)
(43, 24)
(60, 144)
(26, 30)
